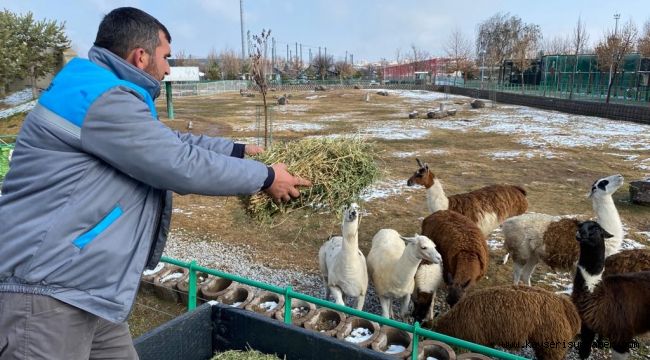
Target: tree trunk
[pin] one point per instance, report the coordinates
(32, 79)
(266, 121)
(522, 82)
(611, 82)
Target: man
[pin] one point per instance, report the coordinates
(87, 202)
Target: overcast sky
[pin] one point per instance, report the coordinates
(369, 29)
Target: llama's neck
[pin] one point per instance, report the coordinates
(350, 244)
(406, 266)
(436, 198)
(608, 218)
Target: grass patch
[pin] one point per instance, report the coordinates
(243, 355)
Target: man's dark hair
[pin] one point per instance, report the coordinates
(127, 28)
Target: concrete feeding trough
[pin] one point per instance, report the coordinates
(183, 287)
(148, 277)
(239, 296)
(359, 331)
(165, 284)
(393, 342)
(326, 321)
(301, 311)
(266, 303)
(436, 349)
(214, 287)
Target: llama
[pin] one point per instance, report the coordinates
(428, 279)
(614, 306)
(512, 316)
(392, 266)
(488, 207)
(342, 264)
(463, 248)
(532, 237)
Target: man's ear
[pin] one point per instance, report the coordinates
(138, 58)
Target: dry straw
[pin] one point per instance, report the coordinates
(339, 170)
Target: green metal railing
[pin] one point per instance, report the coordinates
(289, 294)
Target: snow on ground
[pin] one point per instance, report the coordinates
(17, 109)
(514, 154)
(297, 126)
(422, 95)
(291, 109)
(313, 97)
(18, 97)
(386, 188)
(537, 128)
(394, 131)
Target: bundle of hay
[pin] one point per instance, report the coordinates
(339, 170)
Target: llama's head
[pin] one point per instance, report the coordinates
(350, 224)
(606, 186)
(592, 236)
(351, 213)
(455, 289)
(423, 176)
(424, 248)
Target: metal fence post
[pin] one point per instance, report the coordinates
(287, 305)
(414, 346)
(191, 295)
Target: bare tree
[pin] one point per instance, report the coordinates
(398, 55)
(459, 50)
(180, 58)
(558, 45)
(496, 38)
(322, 64)
(419, 56)
(258, 72)
(643, 46)
(343, 70)
(579, 40)
(611, 51)
(525, 47)
(231, 64)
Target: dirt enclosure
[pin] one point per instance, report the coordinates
(555, 156)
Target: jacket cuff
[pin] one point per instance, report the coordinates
(238, 150)
(269, 179)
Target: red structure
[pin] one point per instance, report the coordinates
(426, 71)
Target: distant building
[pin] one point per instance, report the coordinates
(183, 73)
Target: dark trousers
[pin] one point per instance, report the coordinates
(41, 327)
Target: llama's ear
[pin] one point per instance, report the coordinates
(419, 162)
(466, 284)
(606, 235)
(407, 240)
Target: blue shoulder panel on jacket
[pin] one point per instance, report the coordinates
(74, 89)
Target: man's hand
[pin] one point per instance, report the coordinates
(284, 185)
(250, 149)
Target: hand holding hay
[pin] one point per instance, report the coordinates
(339, 170)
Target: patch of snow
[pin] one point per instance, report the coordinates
(269, 305)
(395, 349)
(18, 97)
(291, 109)
(392, 131)
(384, 189)
(172, 276)
(423, 95)
(645, 233)
(17, 109)
(154, 270)
(181, 211)
(431, 358)
(495, 244)
(359, 335)
(405, 154)
(296, 126)
(514, 154)
(312, 97)
(629, 244)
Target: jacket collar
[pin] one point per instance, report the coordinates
(123, 70)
